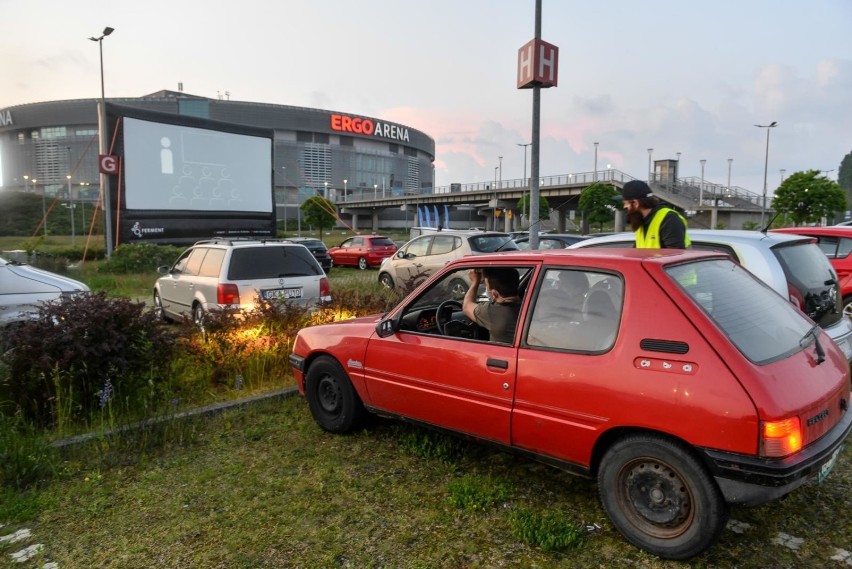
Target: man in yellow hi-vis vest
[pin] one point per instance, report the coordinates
(656, 226)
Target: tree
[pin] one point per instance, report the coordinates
(597, 205)
(807, 197)
(844, 176)
(543, 206)
(319, 212)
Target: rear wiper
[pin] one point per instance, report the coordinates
(814, 332)
(509, 240)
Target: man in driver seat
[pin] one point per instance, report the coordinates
(499, 314)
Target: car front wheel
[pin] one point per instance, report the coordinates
(333, 401)
(847, 306)
(362, 263)
(158, 308)
(386, 280)
(660, 497)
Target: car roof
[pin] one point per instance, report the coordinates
(840, 230)
(736, 236)
(607, 255)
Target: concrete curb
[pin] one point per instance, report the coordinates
(208, 410)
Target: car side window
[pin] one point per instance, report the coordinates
(576, 310)
(443, 244)
(357, 242)
(212, 263)
(347, 243)
(828, 245)
(844, 248)
(180, 264)
(419, 247)
(193, 264)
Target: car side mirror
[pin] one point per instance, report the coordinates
(163, 269)
(386, 328)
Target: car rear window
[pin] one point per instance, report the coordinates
(491, 243)
(382, 242)
(255, 263)
(814, 281)
(758, 321)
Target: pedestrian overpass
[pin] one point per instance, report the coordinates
(495, 203)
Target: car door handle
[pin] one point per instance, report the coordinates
(501, 364)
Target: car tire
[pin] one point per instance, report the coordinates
(158, 308)
(458, 288)
(362, 263)
(847, 306)
(660, 497)
(333, 401)
(199, 317)
(386, 281)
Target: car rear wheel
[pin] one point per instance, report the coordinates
(847, 306)
(334, 403)
(386, 280)
(362, 263)
(660, 497)
(199, 317)
(158, 308)
(458, 288)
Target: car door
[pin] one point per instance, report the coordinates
(409, 266)
(183, 280)
(444, 248)
(460, 384)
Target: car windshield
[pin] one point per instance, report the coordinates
(759, 322)
(491, 243)
(254, 263)
(809, 272)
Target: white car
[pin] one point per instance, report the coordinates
(792, 265)
(418, 259)
(233, 273)
(23, 288)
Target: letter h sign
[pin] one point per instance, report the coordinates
(537, 64)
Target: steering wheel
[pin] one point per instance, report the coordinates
(443, 308)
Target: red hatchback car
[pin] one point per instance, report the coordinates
(836, 242)
(363, 251)
(636, 367)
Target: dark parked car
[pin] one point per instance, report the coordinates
(317, 249)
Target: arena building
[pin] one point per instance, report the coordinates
(331, 153)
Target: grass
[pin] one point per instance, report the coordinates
(265, 487)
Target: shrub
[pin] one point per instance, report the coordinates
(81, 353)
(140, 257)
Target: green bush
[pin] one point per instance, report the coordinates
(141, 257)
(81, 353)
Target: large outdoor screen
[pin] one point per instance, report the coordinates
(173, 167)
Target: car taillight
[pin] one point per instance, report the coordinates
(228, 294)
(796, 297)
(325, 290)
(780, 438)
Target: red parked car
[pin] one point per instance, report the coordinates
(677, 379)
(363, 251)
(836, 242)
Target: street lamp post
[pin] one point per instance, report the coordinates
(650, 168)
(526, 182)
(71, 207)
(595, 175)
(43, 208)
(376, 190)
(783, 171)
(26, 183)
(701, 189)
(500, 158)
(325, 195)
(773, 124)
(102, 146)
(345, 182)
(730, 161)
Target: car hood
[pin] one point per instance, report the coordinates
(32, 280)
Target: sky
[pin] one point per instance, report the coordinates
(674, 76)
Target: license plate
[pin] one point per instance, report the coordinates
(281, 293)
(826, 468)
